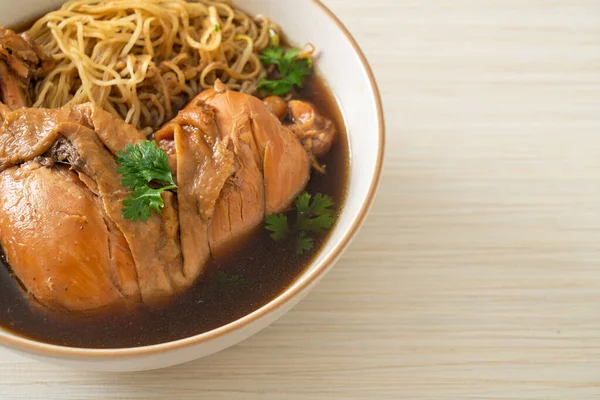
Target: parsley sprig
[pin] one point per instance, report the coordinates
(140, 166)
(292, 70)
(314, 215)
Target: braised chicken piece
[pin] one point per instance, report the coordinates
(25, 57)
(62, 227)
(11, 88)
(21, 62)
(72, 270)
(168, 146)
(283, 162)
(61, 222)
(27, 133)
(315, 131)
(236, 163)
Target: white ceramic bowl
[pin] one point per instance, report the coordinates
(348, 74)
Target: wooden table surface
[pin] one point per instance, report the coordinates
(477, 274)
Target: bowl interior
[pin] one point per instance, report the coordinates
(346, 73)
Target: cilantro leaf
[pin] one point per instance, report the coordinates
(317, 224)
(291, 54)
(276, 88)
(314, 215)
(272, 55)
(140, 165)
(143, 201)
(321, 204)
(303, 203)
(292, 70)
(304, 243)
(143, 163)
(278, 225)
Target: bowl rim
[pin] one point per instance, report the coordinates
(31, 346)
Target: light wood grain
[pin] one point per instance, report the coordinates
(477, 275)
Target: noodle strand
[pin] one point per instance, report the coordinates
(143, 60)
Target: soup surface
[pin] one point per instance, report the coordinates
(230, 289)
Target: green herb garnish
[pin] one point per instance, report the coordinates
(278, 225)
(292, 70)
(312, 217)
(304, 243)
(217, 28)
(140, 165)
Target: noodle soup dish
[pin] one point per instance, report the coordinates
(172, 172)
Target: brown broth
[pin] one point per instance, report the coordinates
(266, 269)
